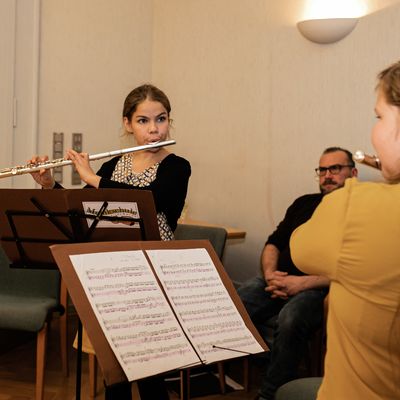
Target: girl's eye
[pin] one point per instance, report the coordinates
(162, 118)
(142, 121)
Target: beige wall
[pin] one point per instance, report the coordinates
(254, 103)
(93, 52)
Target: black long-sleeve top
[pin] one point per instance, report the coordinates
(297, 214)
(169, 188)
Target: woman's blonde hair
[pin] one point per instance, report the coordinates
(389, 83)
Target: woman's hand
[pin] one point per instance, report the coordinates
(43, 177)
(82, 165)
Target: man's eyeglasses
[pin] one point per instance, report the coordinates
(333, 169)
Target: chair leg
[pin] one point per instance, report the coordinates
(92, 375)
(221, 374)
(64, 343)
(64, 329)
(40, 361)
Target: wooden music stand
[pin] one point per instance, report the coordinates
(112, 370)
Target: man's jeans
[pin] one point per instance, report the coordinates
(298, 318)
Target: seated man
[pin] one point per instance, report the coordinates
(283, 290)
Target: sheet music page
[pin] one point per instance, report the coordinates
(203, 304)
(133, 312)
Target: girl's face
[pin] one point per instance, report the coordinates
(386, 137)
(149, 123)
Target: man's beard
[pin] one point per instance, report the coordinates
(328, 181)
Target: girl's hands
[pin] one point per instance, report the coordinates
(82, 165)
(43, 177)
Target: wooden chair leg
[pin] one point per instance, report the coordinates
(64, 344)
(221, 374)
(64, 329)
(92, 375)
(40, 361)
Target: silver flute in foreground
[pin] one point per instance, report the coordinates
(61, 162)
(362, 158)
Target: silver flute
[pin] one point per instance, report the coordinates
(61, 162)
(366, 159)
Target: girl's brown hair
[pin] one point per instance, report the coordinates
(140, 94)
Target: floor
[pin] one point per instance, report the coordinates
(17, 371)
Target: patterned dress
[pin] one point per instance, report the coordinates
(123, 173)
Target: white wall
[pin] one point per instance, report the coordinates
(254, 103)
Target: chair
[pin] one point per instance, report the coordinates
(299, 389)
(28, 297)
(216, 235)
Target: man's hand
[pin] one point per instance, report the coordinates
(282, 285)
(275, 284)
(279, 283)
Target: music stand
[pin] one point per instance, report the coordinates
(33, 219)
(112, 369)
(27, 227)
(71, 216)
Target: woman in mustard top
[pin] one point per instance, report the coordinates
(354, 239)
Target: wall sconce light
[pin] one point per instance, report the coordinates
(327, 30)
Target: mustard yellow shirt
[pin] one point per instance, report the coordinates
(353, 238)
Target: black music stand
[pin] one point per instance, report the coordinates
(33, 219)
(27, 228)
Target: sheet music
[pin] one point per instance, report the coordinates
(202, 303)
(133, 312)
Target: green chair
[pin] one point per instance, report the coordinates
(299, 389)
(28, 298)
(216, 235)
